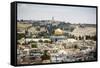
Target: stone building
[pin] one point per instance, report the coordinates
(80, 32)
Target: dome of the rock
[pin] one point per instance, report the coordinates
(58, 32)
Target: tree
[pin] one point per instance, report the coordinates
(45, 56)
(87, 37)
(40, 41)
(94, 37)
(19, 36)
(38, 29)
(80, 38)
(34, 45)
(75, 46)
(46, 41)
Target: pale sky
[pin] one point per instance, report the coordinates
(60, 13)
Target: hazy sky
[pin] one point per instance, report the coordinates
(60, 13)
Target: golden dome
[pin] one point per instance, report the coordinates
(58, 32)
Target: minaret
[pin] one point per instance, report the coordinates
(52, 19)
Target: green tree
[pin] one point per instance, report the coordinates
(32, 41)
(46, 41)
(40, 41)
(34, 45)
(75, 46)
(19, 36)
(38, 29)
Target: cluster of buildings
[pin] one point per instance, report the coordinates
(57, 47)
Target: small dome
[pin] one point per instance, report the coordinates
(58, 32)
